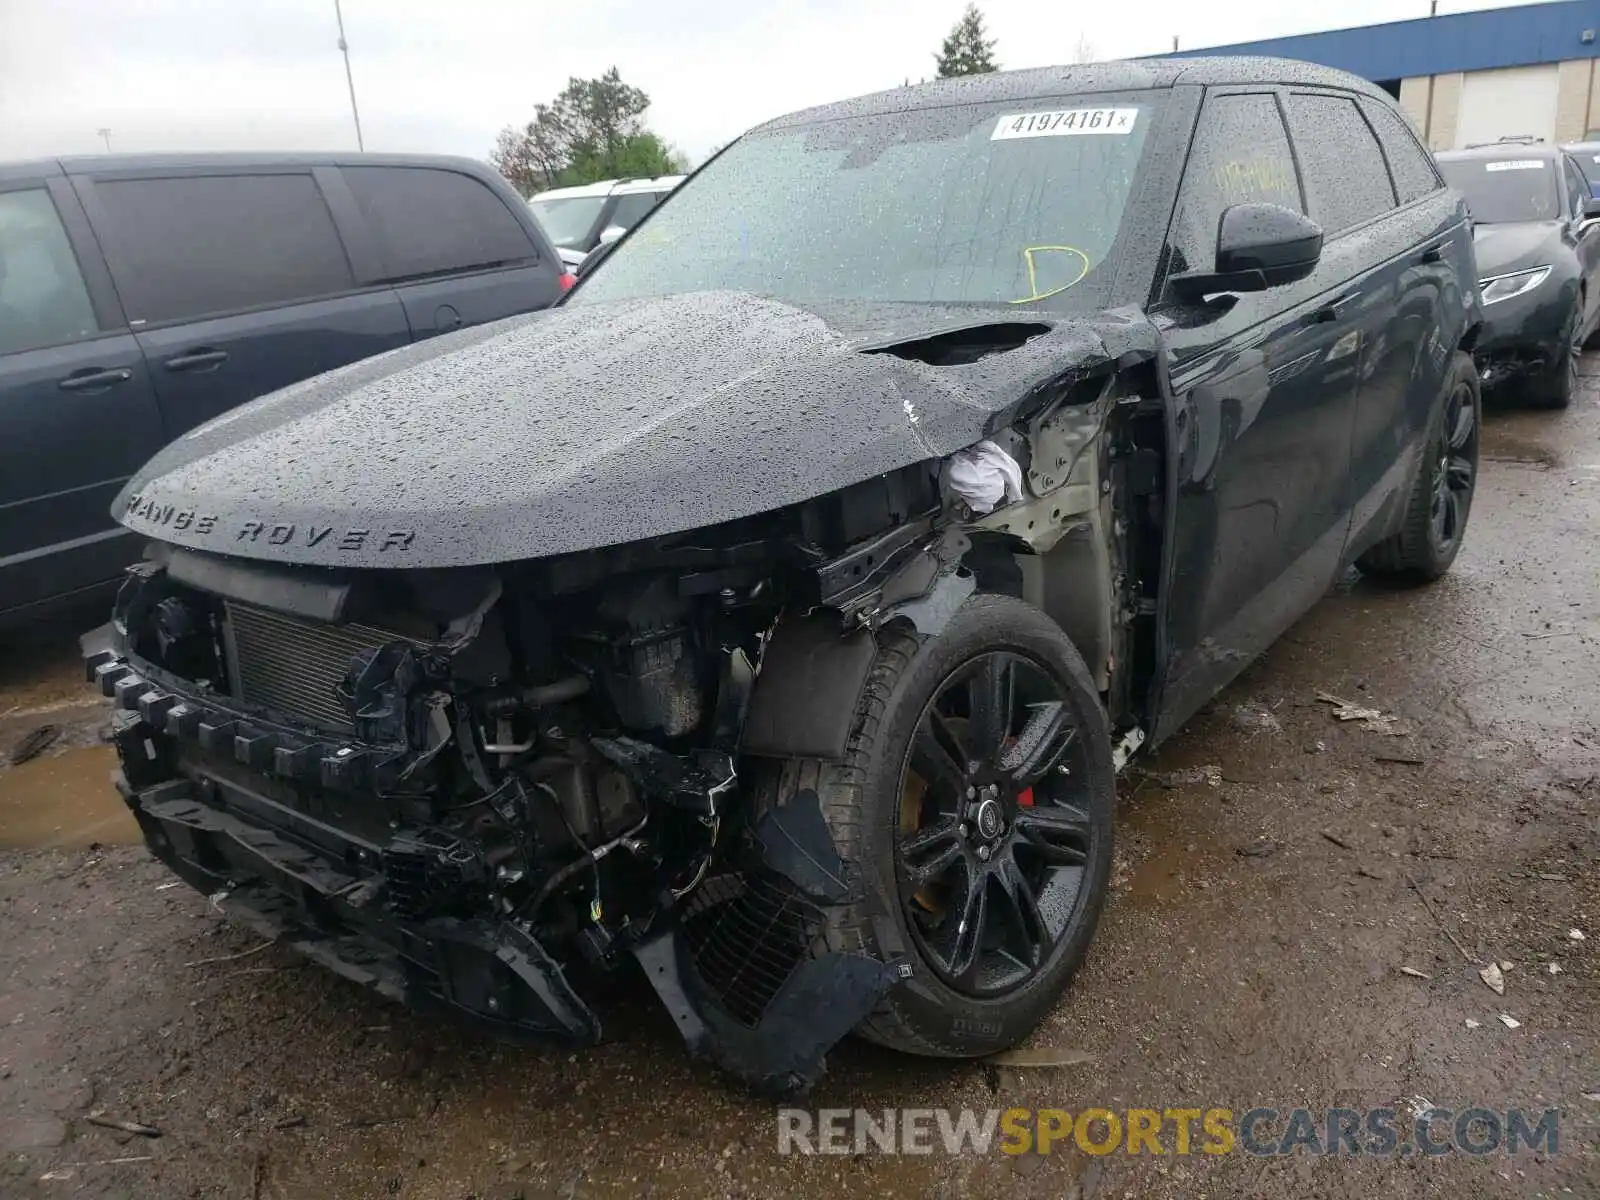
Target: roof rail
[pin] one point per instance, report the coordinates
(1512, 139)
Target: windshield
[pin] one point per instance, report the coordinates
(1504, 190)
(567, 222)
(1003, 203)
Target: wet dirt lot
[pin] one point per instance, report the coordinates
(1277, 869)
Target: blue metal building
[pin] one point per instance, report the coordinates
(1474, 76)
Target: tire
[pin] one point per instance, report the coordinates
(866, 798)
(1555, 386)
(1421, 551)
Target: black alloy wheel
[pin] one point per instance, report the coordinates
(1455, 470)
(976, 804)
(995, 830)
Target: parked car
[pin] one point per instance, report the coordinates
(776, 612)
(578, 219)
(1537, 242)
(143, 295)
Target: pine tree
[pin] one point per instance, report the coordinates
(966, 51)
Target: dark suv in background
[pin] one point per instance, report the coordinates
(141, 296)
(1536, 236)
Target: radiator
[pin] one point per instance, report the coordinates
(294, 666)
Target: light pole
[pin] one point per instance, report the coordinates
(344, 48)
(105, 132)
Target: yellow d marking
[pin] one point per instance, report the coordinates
(1033, 286)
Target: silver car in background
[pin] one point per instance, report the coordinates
(578, 219)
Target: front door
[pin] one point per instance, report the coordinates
(1264, 387)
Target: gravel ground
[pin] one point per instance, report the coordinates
(1218, 979)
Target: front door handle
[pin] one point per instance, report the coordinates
(95, 379)
(197, 360)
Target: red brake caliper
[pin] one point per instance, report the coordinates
(1025, 797)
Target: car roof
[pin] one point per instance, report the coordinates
(661, 183)
(1517, 147)
(85, 164)
(1040, 82)
(606, 187)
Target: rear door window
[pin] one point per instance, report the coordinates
(1411, 165)
(432, 222)
(1240, 156)
(43, 300)
(201, 245)
(1346, 178)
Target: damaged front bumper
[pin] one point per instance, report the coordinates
(267, 879)
(1522, 337)
(256, 815)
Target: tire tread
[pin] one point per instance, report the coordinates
(841, 789)
(1407, 554)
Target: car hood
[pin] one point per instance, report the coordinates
(1503, 248)
(591, 425)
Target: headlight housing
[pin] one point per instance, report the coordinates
(1503, 287)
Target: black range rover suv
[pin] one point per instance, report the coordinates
(774, 614)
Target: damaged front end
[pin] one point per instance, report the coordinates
(486, 788)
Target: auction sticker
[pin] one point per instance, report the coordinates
(1516, 164)
(1064, 122)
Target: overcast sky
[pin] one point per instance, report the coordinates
(446, 75)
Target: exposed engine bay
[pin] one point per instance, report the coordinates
(477, 787)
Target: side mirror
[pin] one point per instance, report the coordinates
(595, 257)
(1259, 246)
(1591, 208)
(610, 234)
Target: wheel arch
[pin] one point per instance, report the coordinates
(1083, 546)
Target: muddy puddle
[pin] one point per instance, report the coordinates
(64, 800)
(1509, 449)
(1520, 436)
